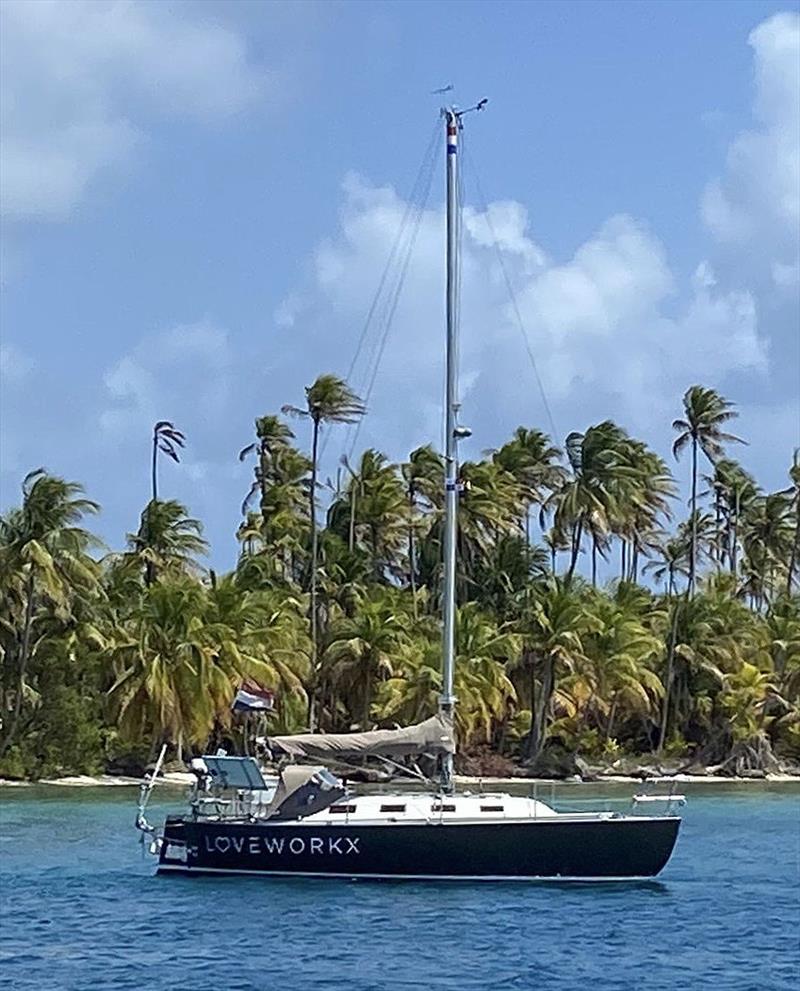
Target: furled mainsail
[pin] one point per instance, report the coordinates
(434, 736)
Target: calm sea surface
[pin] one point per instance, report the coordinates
(81, 909)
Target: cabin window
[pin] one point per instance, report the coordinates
(491, 808)
(393, 808)
(342, 808)
(443, 808)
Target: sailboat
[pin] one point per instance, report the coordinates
(307, 822)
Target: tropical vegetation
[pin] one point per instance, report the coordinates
(597, 613)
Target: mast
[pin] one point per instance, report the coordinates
(447, 698)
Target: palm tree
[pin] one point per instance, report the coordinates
(167, 540)
(423, 474)
(329, 399)
(734, 491)
(483, 687)
(166, 683)
(44, 564)
(794, 492)
(644, 504)
(672, 560)
(601, 482)
(533, 462)
(168, 440)
(705, 637)
(705, 414)
(768, 540)
(281, 481)
(360, 651)
(485, 691)
(377, 516)
(489, 509)
(621, 651)
(271, 433)
(555, 540)
(552, 624)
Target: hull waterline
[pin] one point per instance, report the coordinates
(621, 848)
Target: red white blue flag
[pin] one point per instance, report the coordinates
(253, 698)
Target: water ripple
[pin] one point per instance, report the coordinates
(81, 909)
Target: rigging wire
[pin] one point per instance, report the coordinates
(394, 298)
(512, 296)
(410, 206)
(421, 185)
(460, 200)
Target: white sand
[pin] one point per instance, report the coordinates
(184, 778)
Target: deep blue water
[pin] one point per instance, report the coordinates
(81, 909)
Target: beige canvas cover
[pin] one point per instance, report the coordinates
(434, 736)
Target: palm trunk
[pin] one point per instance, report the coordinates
(262, 483)
(576, 546)
(24, 656)
(611, 716)
(313, 584)
(154, 468)
(149, 569)
(376, 574)
(594, 563)
(622, 554)
(795, 550)
(693, 544)
(527, 537)
(367, 696)
(412, 564)
(539, 724)
(351, 535)
(662, 736)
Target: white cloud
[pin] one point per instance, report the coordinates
(81, 79)
(613, 331)
(171, 375)
(757, 200)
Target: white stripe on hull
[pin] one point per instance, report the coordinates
(183, 869)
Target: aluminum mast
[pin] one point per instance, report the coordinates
(453, 432)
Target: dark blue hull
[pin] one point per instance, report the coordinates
(597, 849)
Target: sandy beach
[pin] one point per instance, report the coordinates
(184, 778)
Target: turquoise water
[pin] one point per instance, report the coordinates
(81, 909)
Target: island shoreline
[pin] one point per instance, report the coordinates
(179, 779)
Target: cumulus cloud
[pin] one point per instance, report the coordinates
(174, 375)
(82, 79)
(756, 202)
(613, 331)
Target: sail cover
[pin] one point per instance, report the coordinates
(434, 736)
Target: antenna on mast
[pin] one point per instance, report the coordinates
(478, 107)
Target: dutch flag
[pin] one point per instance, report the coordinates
(253, 698)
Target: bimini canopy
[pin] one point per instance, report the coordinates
(302, 791)
(434, 736)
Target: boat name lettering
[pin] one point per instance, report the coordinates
(256, 845)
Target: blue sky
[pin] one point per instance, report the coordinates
(198, 199)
